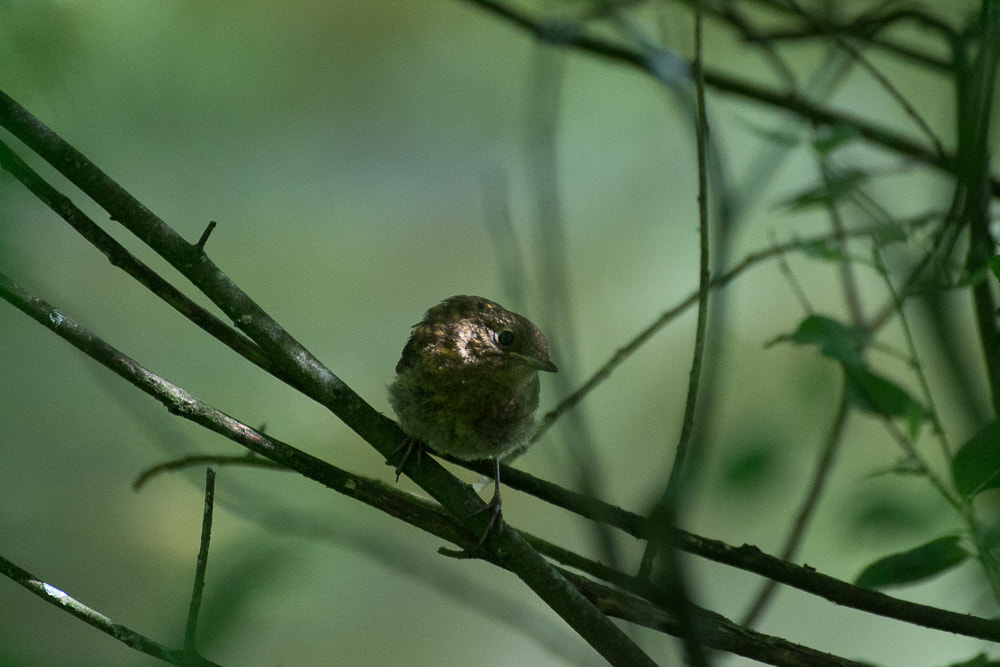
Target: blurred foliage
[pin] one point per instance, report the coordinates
(348, 151)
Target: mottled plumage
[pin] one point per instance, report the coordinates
(467, 381)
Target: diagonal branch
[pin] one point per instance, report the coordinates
(119, 256)
(318, 382)
(785, 101)
(752, 559)
(94, 618)
(194, 608)
(716, 631)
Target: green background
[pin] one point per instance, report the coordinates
(350, 154)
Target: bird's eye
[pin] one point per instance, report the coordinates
(505, 338)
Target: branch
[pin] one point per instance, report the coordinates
(191, 628)
(712, 629)
(665, 514)
(637, 601)
(126, 261)
(876, 74)
(720, 281)
(508, 547)
(439, 522)
(808, 505)
(752, 559)
(724, 83)
(316, 381)
(867, 28)
(976, 87)
(94, 618)
(248, 459)
(747, 558)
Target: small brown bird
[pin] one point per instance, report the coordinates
(467, 383)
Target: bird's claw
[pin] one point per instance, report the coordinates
(413, 447)
(495, 508)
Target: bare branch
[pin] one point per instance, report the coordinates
(96, 619)
(191, 627)
(505, 544)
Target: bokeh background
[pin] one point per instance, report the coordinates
(354, 156)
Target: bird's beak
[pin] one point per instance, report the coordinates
(540, 364)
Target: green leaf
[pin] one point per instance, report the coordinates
(888, 234)
(976, 661)
(822, 249)
(967, 278)
(873, 393)
(865, 390)
(908, 465)
(994, 265)
(832, 137)
(749, 465)
(837, 341)
(774, 135)
(908, 567)
(825, 194)
(976, 465)
(885, 514)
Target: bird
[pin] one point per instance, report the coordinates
(467, 384)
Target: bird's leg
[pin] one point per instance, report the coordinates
(494, 506)
(412, 446)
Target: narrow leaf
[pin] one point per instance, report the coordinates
(773, 135)
(923, 562)
(822, 249)
(873, 393)
(904, 466)
(994, 265)
(889, 234)
(977, 661)
(976, 465)
(836, 340)
(825, 194)
(834, 137)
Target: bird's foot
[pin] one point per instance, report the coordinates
(495, 508)
(410, 447)
(495, 524)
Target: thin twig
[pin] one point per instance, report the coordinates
(191, 627)
(848, 280)
(315, 380)
(120, 257)
(512, 552)
(248, 459)
(835, 433)
(789, 276)
(748, 558)
(911, 345)
(200, 245)
(623, 353)
(750, 33)
(817, 484)
(678, 471)
(667, 509)
(96, 619)
(876, 74)
(791, 102)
